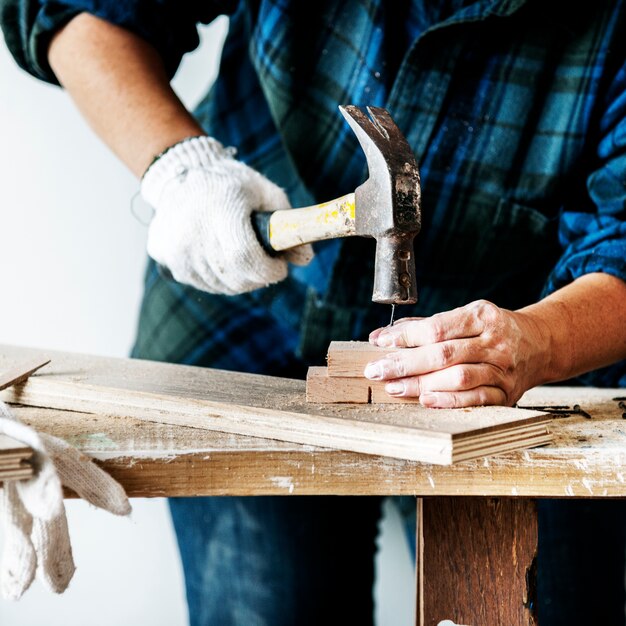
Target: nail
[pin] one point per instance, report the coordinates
(373, 371)
(395, 388)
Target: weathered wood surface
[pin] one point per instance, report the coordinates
(586, 459)
(263, 406)
(477, 561)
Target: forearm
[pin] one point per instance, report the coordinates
(584, 325)
(119, 83)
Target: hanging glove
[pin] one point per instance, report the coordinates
(202, 228)
(32, 513)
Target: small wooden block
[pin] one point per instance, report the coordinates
(322, 388)
(349, 358)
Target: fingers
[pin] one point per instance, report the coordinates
(82, 475)
(480, 396)
(422, 360)
(375, 333)
(18, 562)
(457, 378)
(467, 321)
(300, 255)
(54, 552)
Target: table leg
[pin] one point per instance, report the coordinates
(476, 561)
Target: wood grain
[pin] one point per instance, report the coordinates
(269, 407)
(324, 389)
(586, 458)
(477, 561)
(349, 358)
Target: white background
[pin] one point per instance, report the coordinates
(71, 263)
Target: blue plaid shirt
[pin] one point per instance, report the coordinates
(515, 109)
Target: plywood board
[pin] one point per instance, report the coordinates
(585, 459)
(14, 458)
(273, 408)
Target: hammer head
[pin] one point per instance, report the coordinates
(388, 202)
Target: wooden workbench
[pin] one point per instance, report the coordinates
(477, 523)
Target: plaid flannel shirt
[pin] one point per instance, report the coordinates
(516, 111)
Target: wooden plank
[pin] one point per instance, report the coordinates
(324, 389)
(19, 373)
(261, 406)
(349, 358)
(586, 458)
(477, 561)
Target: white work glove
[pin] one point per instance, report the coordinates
(202, 229)
(32, 512)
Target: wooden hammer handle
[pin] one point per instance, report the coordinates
(282, 230)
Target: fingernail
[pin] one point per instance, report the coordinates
(395, 388)
(386, 340)
(373, 336)
(428, 399)
(373, 371)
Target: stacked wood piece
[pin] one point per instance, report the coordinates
(342, 381)
(14, 457)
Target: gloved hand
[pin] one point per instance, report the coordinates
(202, 230)
(32, 512)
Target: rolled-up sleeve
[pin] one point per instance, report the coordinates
(594, 236)
(169, 25)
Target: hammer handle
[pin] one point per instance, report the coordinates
(286, 229)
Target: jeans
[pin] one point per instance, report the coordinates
(281, 560)
(309, 560)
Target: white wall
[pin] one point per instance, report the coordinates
(71, 264)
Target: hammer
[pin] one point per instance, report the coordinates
(386, 206)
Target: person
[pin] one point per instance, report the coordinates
(515, 110)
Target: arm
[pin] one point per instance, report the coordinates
(481, 354)
(124, 94)
(203, 198)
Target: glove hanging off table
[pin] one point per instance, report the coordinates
(202, 229)
(32, 513)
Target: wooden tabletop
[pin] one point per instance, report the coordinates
(586, 459)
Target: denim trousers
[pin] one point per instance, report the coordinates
(309, 560)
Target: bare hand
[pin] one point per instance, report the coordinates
(475, 355)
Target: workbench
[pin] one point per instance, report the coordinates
(475, 519)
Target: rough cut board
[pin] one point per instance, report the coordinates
(269, 407)
(586, 458)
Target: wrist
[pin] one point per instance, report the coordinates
(546, 327)
(198, 152)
